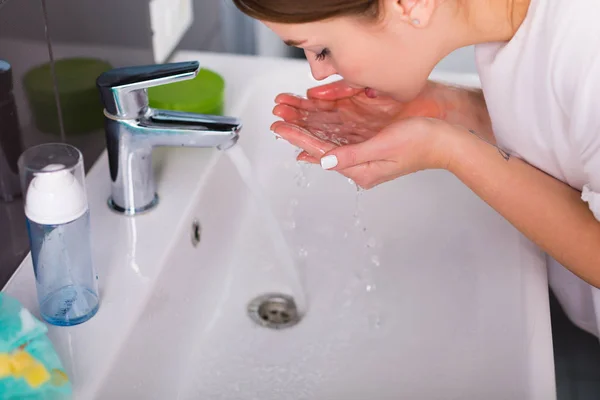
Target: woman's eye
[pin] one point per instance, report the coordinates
(322, 55)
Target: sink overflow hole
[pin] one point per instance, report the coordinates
(196, 233)
(274, 310)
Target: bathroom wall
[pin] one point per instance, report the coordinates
(94, 21)
(219, 27)
(13, 234)
(207, 31)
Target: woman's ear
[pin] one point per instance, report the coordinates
(415, 12)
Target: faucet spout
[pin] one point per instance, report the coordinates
(176, 128)
(133, 129)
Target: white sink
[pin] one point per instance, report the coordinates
(456, 309)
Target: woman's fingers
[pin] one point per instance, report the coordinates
(291, 114)
(305, 104)
(326, 126)
(353, 155)
(302, 138)
(333, 91)
(372, 173)
(305, 157)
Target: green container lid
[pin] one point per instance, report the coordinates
(204, 94)
(79, 98)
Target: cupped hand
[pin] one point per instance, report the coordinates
(341, 114)
(370, 140)
(402, 147)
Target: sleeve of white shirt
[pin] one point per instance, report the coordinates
(585, 126)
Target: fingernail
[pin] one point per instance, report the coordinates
(329, 162)
(276, 135)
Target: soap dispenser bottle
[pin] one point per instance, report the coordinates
(58, 224)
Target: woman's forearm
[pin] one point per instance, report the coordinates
(547, 211)
(476, 106)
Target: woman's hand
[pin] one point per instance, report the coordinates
(401, 148)
(342, 115)
(370, 140)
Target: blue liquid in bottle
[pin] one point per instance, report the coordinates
(66, 281)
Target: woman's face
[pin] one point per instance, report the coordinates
(390, 55)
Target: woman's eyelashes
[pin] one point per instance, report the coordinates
(322, 55)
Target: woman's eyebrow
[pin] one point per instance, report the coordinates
(294, 42)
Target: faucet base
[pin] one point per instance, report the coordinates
(132, 211)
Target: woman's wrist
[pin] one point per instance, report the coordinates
(455, 143)
(464, 106)
(463, 147)
(447, 140)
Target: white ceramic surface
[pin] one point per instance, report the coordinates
(456, 309)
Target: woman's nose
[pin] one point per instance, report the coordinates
(320, 69)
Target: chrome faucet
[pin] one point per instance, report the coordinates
(133, 129)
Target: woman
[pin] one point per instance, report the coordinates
(528, 144)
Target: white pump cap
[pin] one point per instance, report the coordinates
(55, 197)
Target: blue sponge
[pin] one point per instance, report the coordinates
(30, 369)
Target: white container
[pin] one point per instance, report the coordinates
(58, 224)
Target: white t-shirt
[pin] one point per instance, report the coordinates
(542, 91)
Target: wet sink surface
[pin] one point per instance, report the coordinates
(416, 289)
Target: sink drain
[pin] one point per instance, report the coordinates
(274, 310)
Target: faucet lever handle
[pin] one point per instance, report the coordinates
(123, 90)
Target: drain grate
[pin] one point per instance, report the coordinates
(274, 310)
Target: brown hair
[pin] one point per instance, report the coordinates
(303, 11)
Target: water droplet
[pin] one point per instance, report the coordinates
(350, 181)
(375, 321)
(301, 181)
(375, 260)
(372, 242)
(303, 252)
(290, 225)
(357, 222)
(294, 202)
(346, 235)
(371, 287)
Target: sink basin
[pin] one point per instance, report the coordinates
(416, 289)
